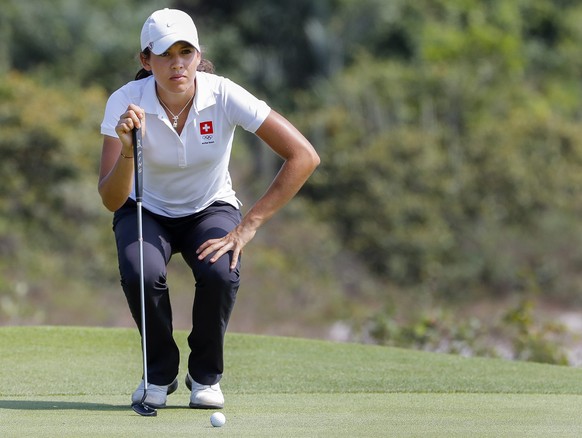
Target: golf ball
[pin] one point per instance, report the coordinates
(217, 419)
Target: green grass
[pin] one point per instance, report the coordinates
(76, 382)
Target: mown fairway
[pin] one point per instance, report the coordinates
(73, 382)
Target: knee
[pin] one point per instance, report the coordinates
(154, 279)
(219, 275)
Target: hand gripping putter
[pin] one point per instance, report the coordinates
(141, 408)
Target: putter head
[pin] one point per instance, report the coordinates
(144, 410)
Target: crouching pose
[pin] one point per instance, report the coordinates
(188, 116)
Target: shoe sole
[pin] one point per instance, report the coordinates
(196, 406)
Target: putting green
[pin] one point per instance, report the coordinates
(71, 382)
(299, 415)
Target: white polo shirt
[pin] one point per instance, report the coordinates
(183, 174)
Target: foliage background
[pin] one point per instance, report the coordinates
(444, 215)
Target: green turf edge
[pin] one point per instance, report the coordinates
(107, 361)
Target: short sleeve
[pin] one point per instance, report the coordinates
(243, 108)
(119, 101)
(116, 105)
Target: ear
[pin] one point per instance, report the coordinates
(145, 61)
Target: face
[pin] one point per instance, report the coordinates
(175, 69)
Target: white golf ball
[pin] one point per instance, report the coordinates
(217, 419)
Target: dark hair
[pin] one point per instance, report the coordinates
(205, 65)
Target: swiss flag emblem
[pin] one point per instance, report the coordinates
(206, 128)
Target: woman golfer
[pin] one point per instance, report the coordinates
(187, 118)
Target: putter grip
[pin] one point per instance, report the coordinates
(138, 164)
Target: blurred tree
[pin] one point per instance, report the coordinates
(49, 146)
(428, 158)
(449, 130)
(85, 42)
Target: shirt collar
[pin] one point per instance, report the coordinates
(149, 99)
(204, 93)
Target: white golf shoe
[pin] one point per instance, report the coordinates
(156, 395)
(204, 396)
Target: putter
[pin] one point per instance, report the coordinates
(141, 408)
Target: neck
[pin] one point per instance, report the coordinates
(176, 101)
(179, 109)
(176, 105)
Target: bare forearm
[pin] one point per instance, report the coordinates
(116, 172)
(115, 187)
(300, 162)
(284, 187)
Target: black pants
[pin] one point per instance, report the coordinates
(215, 293)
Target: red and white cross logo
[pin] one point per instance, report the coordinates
(206, 128)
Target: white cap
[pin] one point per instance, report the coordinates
(166, 27)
